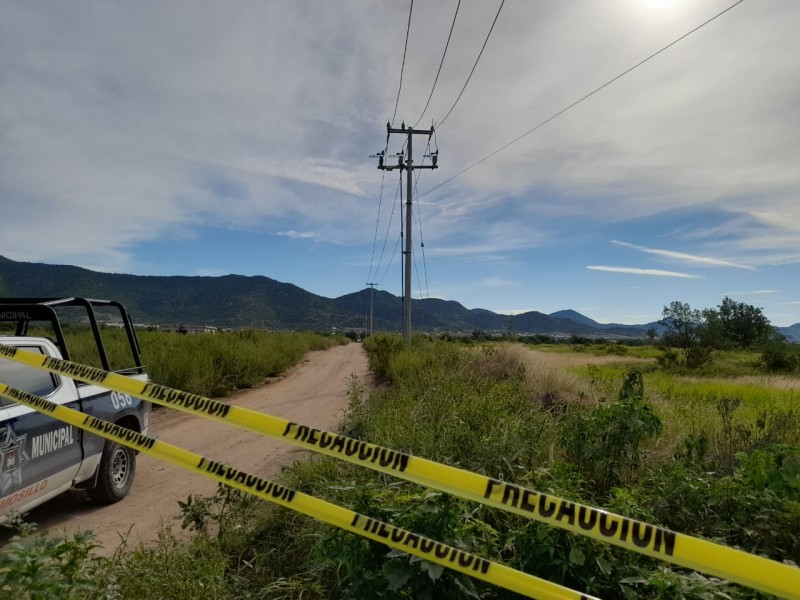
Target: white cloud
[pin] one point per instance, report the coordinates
(130, 122)
(107, 140)
(299, 235)
(209, 272)
(640, 318)
(786, 261)
(496, 282)
(683, 256)
(648, 272)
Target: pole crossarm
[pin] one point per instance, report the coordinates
(427, 132)
(403, 166)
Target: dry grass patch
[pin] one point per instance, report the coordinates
(549, 378)
(780, 382)
(546, 380)
(578, 359)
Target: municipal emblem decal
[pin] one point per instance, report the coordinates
(12, 457)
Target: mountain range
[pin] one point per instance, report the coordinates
(237, 301)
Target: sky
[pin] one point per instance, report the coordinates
(207, 138)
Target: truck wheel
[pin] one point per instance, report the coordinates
(115, 474)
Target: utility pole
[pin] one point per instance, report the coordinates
(371, 291)
(409, 166)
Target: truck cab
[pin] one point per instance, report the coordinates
(41, 457)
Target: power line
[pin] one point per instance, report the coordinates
(422, 246)
(592, 93)
(475, 65)
(440, 64)
(378, 218)
(402, 67)
(377, 221)
(389, 264)
(388, 229)
(402, 271)
(421, 306)
(400, 236)
(419, 283)
(419, 222)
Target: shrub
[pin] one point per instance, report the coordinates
(381, 349)
(776, 468)
(778, 356)
(366, 570)
(35, 565)
(757, 507)
(603, 443)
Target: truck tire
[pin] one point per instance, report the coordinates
(114, 475)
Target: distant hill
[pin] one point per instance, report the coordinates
(238, 301)
(229, 301)
(792, 332)
(433, 314)
(609, 328)
(573, 315)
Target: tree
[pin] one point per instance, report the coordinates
(685, 329)
(652, 334)
(738, 325)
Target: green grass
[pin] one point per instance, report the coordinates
(486, 409)
(683, 387)
(216, 364)
(729, 363)
(463, 406)
(729, 412)
(601, 350)
(205, 363)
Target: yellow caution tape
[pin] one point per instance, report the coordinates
(394, 537)
(701, 555)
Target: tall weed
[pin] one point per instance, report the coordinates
(35, 565)
(467, 407)
(604, 442)
(207, 364)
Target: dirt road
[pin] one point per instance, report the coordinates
(313, 393)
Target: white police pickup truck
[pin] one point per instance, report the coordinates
(41, 457)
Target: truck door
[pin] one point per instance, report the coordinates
(39, 454)
(8, 453)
